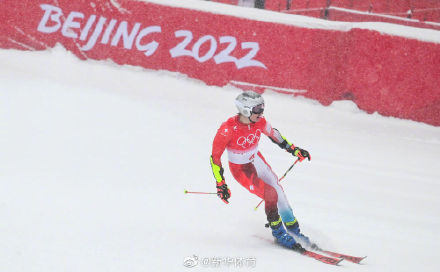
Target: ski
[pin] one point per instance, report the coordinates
(322, 258)
(311, 254)
(349, 258)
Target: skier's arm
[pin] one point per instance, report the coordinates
(219, 144)
(221, 140)
(282, 142)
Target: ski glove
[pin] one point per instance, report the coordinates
(302, 154)
(223, 191)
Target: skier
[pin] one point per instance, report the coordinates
(240, 135)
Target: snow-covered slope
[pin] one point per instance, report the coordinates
(95, 157)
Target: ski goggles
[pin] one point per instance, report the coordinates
(259, 109)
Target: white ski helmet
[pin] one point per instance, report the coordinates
(246, 101)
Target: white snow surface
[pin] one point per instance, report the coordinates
(95, 157)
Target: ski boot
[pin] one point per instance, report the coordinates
(283, 238)
(293, 228)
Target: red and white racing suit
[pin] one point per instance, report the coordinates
(248, 165)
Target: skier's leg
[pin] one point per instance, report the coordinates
(246, 175)
(265, 172)
(267, 175)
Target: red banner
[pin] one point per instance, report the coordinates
(392, 75)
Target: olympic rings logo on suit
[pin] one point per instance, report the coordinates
(248, 141)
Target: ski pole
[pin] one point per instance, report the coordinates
(288, 170)
(200, 193)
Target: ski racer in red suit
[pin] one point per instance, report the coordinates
(240, 135)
